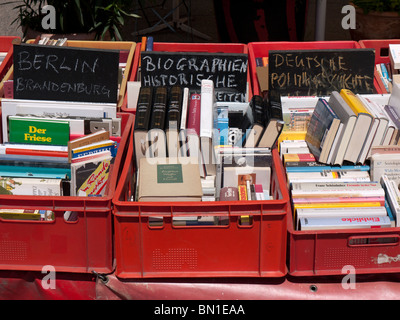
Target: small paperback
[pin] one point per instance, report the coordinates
(30, 186)
(89, 178)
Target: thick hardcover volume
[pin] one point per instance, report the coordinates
(172, 124)
(254, 133)
(157, 138)
(38, 131)
(348, 118)
(322, 129)
(273, 122)
(193, 121)
(142, 122)
(361, 128)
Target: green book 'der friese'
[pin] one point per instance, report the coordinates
(38, 131)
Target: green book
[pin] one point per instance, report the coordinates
(38, 131)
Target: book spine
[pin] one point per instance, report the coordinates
(159, 108)
(344, 222)
(143, 108)
(258, 108)
(206, 106)
(174, 108)
(242, 191)
(193, 123)
(184, 111)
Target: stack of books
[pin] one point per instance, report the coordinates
(226, 144)
(336, 197)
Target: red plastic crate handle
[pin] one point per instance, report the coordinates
(374, 240)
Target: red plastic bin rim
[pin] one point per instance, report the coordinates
(112, 183)
(124, 175)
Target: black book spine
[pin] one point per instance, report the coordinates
(143, 108)
(159, 108)
(174, 108)
(258, 108)
(274, 106)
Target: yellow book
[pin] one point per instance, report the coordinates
(291, 135)
(353, 101)
(337, 204)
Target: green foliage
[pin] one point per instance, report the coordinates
(378, 5)
(77, 16)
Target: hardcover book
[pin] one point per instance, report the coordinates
(344, 223)
(322, 130)
(142, 123)
(157, 136)
(169, 179)
(172, 125)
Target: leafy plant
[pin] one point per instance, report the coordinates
(378, 5)
(77, 16)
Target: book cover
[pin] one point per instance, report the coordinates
(106, 145)
(35, 131)
(229, 194)
(30, 186)
(142, 122)
(169, 179)
(242, 190)
(322, 129)
(273, 120)
(89, 178)
(361, 128)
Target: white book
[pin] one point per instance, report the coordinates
(185, 104)
(337, 189)
(335, 144)
(328, 176)
(339, 212)
(385, 164)
(207, 102)
(132, 94)
(394, 54)
(344, 223)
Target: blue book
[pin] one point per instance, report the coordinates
(35, 172)
(318, 168)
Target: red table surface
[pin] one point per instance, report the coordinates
(19, 285)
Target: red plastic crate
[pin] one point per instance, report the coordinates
(186, 47)
(381, 52)
(260, 49)
(326, 252)
(81, 246)
(256, 250)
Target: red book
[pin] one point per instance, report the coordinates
(193, 122)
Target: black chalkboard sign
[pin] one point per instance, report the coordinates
(319, 72)
(187, 69)
(65, 73)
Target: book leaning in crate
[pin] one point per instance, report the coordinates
(343, 171)
(56, 149)
(188, 147)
